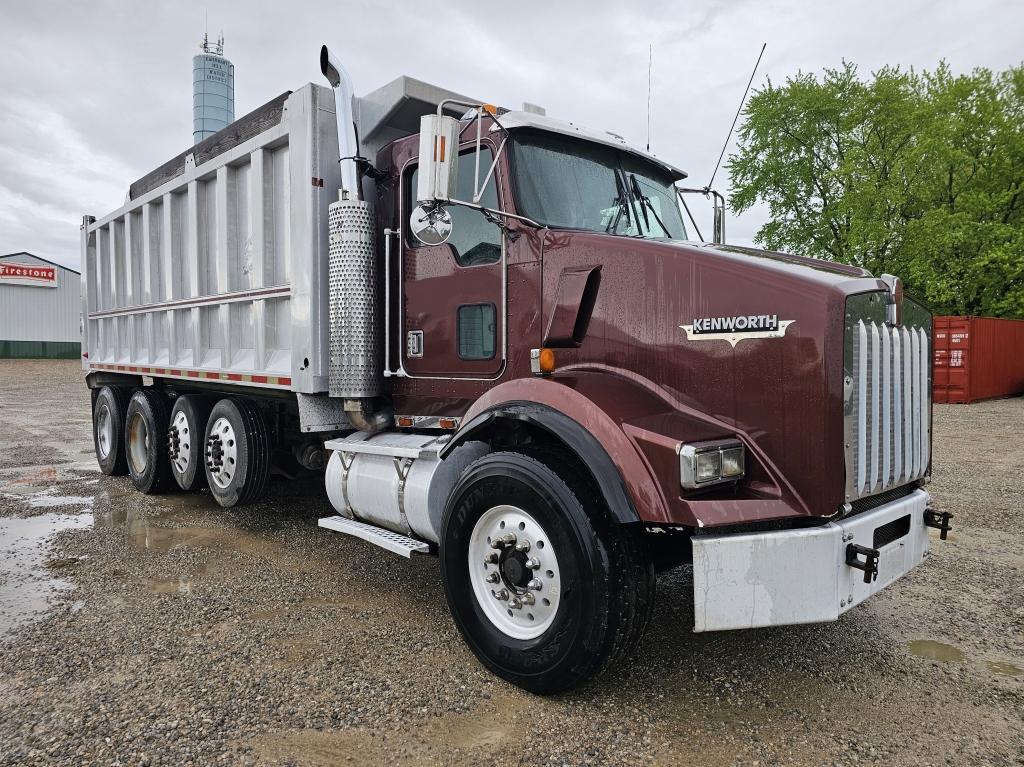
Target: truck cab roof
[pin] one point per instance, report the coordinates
(515, 119)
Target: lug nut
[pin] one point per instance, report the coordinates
(523, 546)
(501, 594)
(533, 584)
(492, 558)
(516, 603)
(508, 539)
(528, 598)
(493, 578)
(533, 563)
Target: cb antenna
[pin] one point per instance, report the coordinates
(736, 117)
(650, 64)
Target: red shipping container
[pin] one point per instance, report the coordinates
(977, 358)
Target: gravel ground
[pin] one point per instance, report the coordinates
(141, 630)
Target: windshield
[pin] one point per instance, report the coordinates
(567, 183)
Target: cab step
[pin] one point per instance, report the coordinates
(378, 536)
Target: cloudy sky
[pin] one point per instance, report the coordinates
(95, 94)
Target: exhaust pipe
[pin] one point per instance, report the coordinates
(348, 144)
(354, 370)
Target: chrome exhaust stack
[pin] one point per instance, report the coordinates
(354, 370)
(348, 144)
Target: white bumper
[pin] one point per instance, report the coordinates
(800, 576)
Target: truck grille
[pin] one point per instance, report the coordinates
(888, 405)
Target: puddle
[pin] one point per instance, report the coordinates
(940, 651)
(26, 583)
(48, 501)
(172, 585)
(1003, 668)
(146, 536)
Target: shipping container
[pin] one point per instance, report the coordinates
(977, 358)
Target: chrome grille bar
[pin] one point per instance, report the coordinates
(888, 407)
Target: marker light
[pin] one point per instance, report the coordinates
(711, 463)
(542, 361)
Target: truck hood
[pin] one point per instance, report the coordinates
(728, 341)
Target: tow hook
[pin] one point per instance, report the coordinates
(870, 563)
(939, 520)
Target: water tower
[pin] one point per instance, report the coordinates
(213, 90)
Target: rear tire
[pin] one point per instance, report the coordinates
(593, 573)
(108, 417)
(237, 452)
(186, 440)
(145, 441)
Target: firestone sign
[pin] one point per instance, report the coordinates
(33, 275)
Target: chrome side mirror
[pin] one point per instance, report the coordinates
(718, 235)
(430, 224)
(438, 159)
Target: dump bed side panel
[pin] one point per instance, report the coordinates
(221, 272)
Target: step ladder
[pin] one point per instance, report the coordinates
(378, 536)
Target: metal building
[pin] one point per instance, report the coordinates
(40, 308)
(213, 90)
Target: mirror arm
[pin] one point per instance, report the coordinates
(479, 192)
(493, 212)
(679, 192)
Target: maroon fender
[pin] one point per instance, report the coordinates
(640, 432)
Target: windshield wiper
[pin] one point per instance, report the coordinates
(622, 200)
(647, 205)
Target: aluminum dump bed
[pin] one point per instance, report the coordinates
(216, 267)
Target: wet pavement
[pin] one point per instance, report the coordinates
(164, 630)
(28, 580)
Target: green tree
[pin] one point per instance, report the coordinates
(919, 175)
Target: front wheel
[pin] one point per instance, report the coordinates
(546, 589)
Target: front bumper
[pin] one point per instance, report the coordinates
(748, 580)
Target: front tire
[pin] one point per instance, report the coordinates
(237, 450)
(145, 437)
(546, 589)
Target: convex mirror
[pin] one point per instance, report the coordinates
(431, 225)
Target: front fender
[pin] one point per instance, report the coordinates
(575, 412)
(628, 437)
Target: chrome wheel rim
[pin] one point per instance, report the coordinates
(222, 452)
(514, 572)
(138, 443)
(104, 431)
(180, 442)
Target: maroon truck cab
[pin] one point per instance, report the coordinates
(618, 313)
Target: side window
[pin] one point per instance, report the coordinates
(476, 331)
(474, 239)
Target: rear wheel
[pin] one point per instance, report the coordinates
(237, 452)
(108, 416)
(544, 586)
(185, 440)
(145, 436)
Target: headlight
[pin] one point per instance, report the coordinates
(710, 463)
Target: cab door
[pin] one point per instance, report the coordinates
(454, 294)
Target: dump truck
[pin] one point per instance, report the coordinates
(493, 334)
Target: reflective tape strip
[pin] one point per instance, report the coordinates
(210, 375)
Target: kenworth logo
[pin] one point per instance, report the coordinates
(737, 328)
(729, 324)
